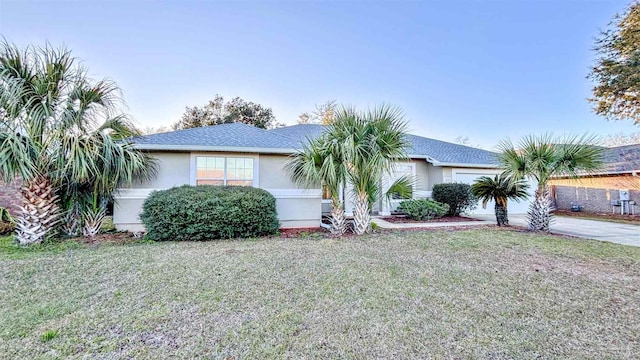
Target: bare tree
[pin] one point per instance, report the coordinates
(324, 114)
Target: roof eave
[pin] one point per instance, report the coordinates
(262, 150)
(601, 173)
(468, 165)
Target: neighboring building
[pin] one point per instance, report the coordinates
(239, 154)
(10, 195)
(600, 192)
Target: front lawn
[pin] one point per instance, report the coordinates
(468, 294)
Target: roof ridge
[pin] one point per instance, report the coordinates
(200, 128)
(452, 143)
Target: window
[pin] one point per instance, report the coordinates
(402, 170)
(224, 171)
(326, 194)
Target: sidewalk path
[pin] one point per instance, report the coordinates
(618, 233)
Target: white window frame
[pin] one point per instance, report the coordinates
(413, 176)
(225, 156)
(387, 205)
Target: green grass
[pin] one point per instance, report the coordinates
(49, 335)
(467, 294)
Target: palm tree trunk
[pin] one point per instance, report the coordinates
(539, 214)
(506, 214)
(71, 221)
(338, 219)
(38, 213)
(501, 214)
(361, 215)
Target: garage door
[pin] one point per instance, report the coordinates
(470, 176)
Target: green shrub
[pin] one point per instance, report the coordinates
(423, 209)
(457, 196)
(7, 222)
(208, 212)
(6, 227)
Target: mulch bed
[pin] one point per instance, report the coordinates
(117, 237)
(301, 232)
(404, 219)
(608, 216)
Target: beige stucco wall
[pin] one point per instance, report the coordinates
(422, 175)
(173, 170)
(273, 174)
(434, 176)
(296, 207)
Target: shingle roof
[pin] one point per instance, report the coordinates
(285, 139)
(436, 150)
(233, 135)
(445, 152)
(622, 158)
(300, 132)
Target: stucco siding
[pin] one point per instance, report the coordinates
(422, 175)
(434, 176)
(173, 170)
(126, 214)
(299, 212)
(273, 174)
(296, 207)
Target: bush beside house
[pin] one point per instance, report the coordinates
(208, 212)
(423, 209)
(457, 196)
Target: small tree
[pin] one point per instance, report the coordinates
(499, 189)
(370, 143)
(321, 162)
(616, 94)
(324, 114)
(218, 112)
(457, 195)
(544, 157)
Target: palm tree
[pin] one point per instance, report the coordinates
(55, 131)
(321, 162)
(500, 189)
(85, 199)
(370, 142)
(541, 158)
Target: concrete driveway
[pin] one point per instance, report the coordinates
(589, 229)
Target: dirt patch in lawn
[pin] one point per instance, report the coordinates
(116, 238)
(403, 219)
(303, 232)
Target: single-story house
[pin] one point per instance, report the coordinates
(600, 192)
(239, 154)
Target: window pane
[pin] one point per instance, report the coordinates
(209, 167)
(210, 182)
(239, 169)
(325, 192)
(240, 182)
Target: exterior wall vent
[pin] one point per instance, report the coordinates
(624, 195)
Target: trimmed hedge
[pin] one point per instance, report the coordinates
(207, 212)
(457, 196)
(423, 209)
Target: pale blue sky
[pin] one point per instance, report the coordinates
(486, 70)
